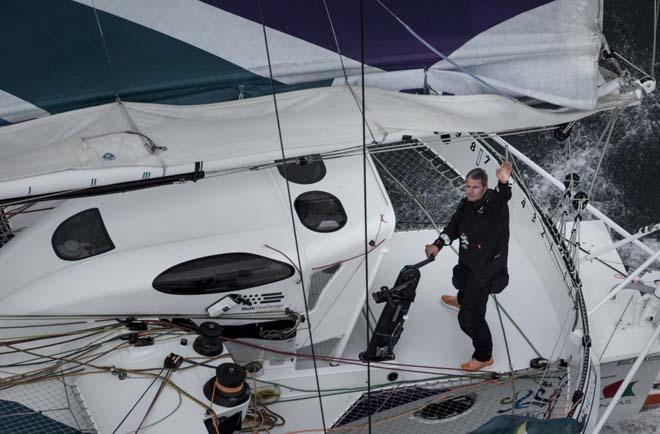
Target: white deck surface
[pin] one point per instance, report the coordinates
(432, 335)
(612, 339)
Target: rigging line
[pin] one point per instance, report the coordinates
(178, 406)
(343, 67)
(508, 351)
(356, 362)
(620, 56)
(605, 262)
(610, 125)
(653, 42)
(107, 53)
(58, 343)
(364, 196)
(499, 306)
(616, 326)
(68, 401)
(288, 259)
(434, 50)
(138, 401)
(293, 221)
(156, 396)
(341, 261)
(554, 348)
(334, 35)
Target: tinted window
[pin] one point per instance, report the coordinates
(221, 273)
(306, 170)
(81, 236)
(320, 211)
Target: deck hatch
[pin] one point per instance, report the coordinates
(303, 170)
(320, 211)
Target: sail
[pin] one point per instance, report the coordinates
(66, 55)
(113, 143)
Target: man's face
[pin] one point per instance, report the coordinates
(474, 190)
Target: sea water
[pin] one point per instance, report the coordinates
(627, 186)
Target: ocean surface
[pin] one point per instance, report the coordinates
(627, 186)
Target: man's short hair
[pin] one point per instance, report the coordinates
(478, 174)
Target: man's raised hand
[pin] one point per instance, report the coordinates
(503, 172)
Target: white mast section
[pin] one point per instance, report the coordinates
(647, 230)
(626, 281)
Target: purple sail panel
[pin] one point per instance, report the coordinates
(446, 25)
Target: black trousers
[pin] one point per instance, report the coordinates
(473, 298)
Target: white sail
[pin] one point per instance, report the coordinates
(91, 147)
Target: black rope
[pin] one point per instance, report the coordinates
(138, 401)
(293, 221)
(623, 273)
(343, 67)
(334, 35)
(508, 351)
(364, 193)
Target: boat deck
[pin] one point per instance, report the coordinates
(432, 338)
(432, 335)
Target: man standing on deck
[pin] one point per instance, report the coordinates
(481, 222)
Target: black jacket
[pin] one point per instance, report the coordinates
(483, 231)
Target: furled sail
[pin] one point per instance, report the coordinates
(67, 54)
(105, 69)
(98, 145)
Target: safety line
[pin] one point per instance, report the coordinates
(499, 306)
(609, 128)
(434, 50)
(293, 221)
(343, 67)
(364, 196)
(107, 53)
(508, 352)
(655, 37)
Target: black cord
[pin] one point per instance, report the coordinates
(508, 351)
(364, 192)
(623, 273)
(138, 401)
(168, 374)
(293, 221)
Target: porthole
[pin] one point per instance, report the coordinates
(304, 170)
(320, 211)
(81, 236)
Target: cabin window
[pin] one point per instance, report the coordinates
(81, 236)
(304, 170)
(320, 211)
(221, 273)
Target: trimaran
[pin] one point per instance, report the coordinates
(213, 214)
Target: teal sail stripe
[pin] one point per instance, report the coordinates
(56, 61)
